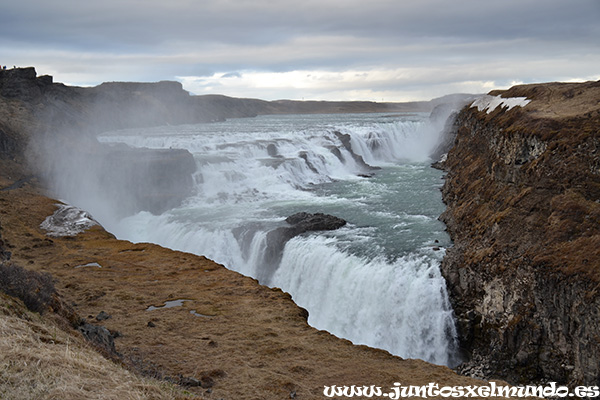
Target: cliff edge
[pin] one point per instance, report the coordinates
(523, 196)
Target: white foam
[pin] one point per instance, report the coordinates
(400, 306)
(490, 103)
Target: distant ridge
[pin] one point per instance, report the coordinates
(167, 102)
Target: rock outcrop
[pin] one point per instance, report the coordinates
(302, 222)
(296, 224)
(523, 196)
(23, 83)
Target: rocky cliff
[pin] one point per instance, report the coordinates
(523, 196)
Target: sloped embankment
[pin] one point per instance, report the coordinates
(175, 314)
(523, 196)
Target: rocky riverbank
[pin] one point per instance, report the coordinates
(523, 196)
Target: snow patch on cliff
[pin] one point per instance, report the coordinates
(490, 103)
(68, 221)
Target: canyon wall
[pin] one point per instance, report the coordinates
(523, 196)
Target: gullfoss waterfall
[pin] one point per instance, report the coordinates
(375, 281)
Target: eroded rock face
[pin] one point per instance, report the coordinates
(298, 224)
(523, 195)
(22, 83)
(358, 159)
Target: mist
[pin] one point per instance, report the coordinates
(112, 181)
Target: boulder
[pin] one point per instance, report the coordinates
(305, 222)
(99, 336)
(298, 224)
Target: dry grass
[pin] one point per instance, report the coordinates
(254, 344)
(38, 360)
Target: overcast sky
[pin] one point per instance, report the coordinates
(381, 50)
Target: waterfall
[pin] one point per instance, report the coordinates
(375, 281)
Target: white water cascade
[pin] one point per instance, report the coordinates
(376, 281)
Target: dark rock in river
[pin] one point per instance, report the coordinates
(305, 222)
(345, 139)
(299, 223)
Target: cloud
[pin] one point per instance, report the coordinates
(86, 43)
(376, 84)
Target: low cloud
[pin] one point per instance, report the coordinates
(380, 49)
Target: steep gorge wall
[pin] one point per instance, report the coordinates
(523, 196)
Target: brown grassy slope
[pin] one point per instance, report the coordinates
(243, 339)
(39, 360)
